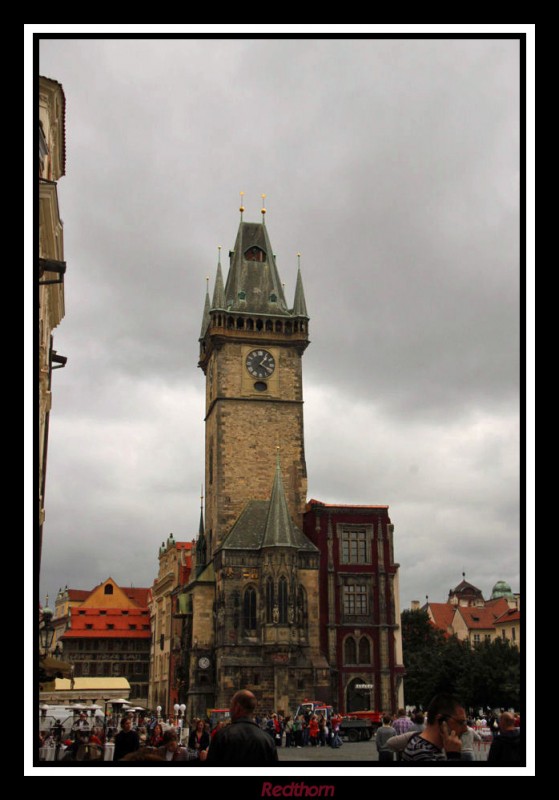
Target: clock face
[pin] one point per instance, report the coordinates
(260, 363)
(204, 662)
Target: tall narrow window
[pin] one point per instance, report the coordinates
(301, 613)
(282, 600)
(269, 600)
(249, 609)
(350, 651)
(364, 650)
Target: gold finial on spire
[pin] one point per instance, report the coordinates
(219, 254)
(263, 209)
(242, 206)
(299, 260)
(201, 495)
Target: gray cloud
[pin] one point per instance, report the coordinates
(392, 166)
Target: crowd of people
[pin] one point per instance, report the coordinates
(444, 733)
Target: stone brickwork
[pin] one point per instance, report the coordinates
(243, 431)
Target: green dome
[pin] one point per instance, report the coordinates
(501, 589)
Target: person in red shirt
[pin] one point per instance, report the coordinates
(313, 730)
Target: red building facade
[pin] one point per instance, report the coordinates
(359, 604)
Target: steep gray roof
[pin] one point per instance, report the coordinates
(205, 316)
(218, 300)
(252, 285)
(267, 523)
(299, 304)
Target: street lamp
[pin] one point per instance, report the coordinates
(176, 709)
(46, 629)
(182, 709)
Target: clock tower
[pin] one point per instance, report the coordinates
(254, 613)
(251, 350)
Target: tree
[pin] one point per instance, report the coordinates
(495, 678)
(481, 676)
(422, 647)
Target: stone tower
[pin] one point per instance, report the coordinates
(254, 601)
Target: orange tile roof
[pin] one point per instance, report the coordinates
(483, 618)
(100, 619)
(78, 594)
(443, 614)
(139, 596)
(105, 634)
(510, 615)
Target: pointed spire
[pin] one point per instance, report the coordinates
(201, 551)
(218, 300)
(206, 314)
(201, 531)
(253, 282)
(279, 525)
(299, 304)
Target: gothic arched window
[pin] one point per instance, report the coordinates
(282, 600)
(255, 254)
(301, 606)
(269, 600)
(364, 650)
(350, 651)
(249, 609)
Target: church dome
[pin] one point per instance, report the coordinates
(501, 589)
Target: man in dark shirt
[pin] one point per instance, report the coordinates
(440, 740)
(242, 742)
(506, 747)
(127, 741)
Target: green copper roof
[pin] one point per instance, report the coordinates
(501, 589)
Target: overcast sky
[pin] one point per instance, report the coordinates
(392, 166)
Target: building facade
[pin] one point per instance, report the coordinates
(166, 643)
(51, 264)
(467, 615)
(259, 610)
(66, 599)
(359, 604)
(254, 597)
(109, 636)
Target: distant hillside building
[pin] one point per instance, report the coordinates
(109, 636)
(468, 615)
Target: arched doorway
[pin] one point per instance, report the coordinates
(358, 695)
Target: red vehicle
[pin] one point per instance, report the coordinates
(216, 715)
(374, 716)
